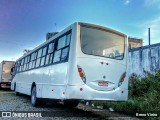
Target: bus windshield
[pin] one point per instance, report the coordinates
(103, 43)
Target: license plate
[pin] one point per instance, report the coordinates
(104, 83)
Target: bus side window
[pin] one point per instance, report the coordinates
(61, 53)
(28, 60)
(57, 56)
(20, 65)
(61, 42)
(30, 65)
(43, 56)
(64, 55)
(51, 47)
(49, 56)
(17, 66)
(57, 53)
(34, 59)
(39, 57)
(24, 65)
(65, 50)
(31, 61)
(22, 61)
(68, 39)
(47, 59)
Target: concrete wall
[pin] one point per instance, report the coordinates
(144, 58)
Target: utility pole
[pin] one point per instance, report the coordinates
(149, 39)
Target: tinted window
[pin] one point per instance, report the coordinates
(24, 67)
(47, 59)
(30, 65)
(64, 53)
(26, 59)
(33, 64)
(68, 39)
(44, 51)
(62, 42)
(42, 61)
(57, 56)
(39, 53)
(50, 59)
(51, 47)
(29, 58)
(102, 43)
(33, 56)
(37, 62)
(22, 61)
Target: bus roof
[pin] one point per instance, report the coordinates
(101, 28)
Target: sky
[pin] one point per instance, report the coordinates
(24, 23)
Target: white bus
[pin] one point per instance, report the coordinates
(83, 62)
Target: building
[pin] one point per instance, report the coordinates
(51, 34)
(134, 42)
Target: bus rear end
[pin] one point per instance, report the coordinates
(100, 67)
(5, 72)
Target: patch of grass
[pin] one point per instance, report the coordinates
(144, 95)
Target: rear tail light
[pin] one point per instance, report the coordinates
(122, 79)
(81, 73)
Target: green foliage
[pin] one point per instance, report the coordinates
(144, 95)
(142, 87)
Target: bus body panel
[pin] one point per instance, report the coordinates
(83, 92)
(97, 72)
(50, 81)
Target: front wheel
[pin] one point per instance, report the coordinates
(16, 93)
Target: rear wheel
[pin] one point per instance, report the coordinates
(34, 100)
(71, 103)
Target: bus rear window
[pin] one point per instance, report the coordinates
(102, 43)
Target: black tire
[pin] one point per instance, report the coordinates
(71, 103)
(16, 93)
(34, 100)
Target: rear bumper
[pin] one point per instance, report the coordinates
(5, 85)
(86, 93)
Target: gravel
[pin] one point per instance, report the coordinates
(20, 105)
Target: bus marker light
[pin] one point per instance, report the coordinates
(81, 89)
(79, 69)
